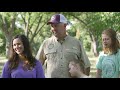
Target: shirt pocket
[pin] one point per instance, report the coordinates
(72, 54)
(50, 53)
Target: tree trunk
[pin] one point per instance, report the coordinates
(94, 41)
(8, 40)
(94, 44)
(94, 48)
(78, 34)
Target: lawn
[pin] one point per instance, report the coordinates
(90, 56)
(93, 60)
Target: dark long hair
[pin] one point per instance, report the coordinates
(14, 58)
(115, 43)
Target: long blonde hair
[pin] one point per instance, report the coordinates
(115, 43)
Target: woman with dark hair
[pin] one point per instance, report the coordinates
(21, 63)
(108, 65)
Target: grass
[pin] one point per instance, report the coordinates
(90, 56)
(93, 60)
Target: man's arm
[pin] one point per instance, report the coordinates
(83, 69)
(85, 60)
(87, 71)
(41, 55)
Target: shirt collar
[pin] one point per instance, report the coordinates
(61, 40)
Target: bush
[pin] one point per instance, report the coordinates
(87, 46)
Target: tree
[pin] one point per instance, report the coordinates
(8, 27)
(33, 25)
(94, 23)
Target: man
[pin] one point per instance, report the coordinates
(58, 50)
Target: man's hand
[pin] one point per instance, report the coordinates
(87, 71)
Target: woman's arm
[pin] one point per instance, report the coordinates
(98, 73)
(6, 72)
(39, 70)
